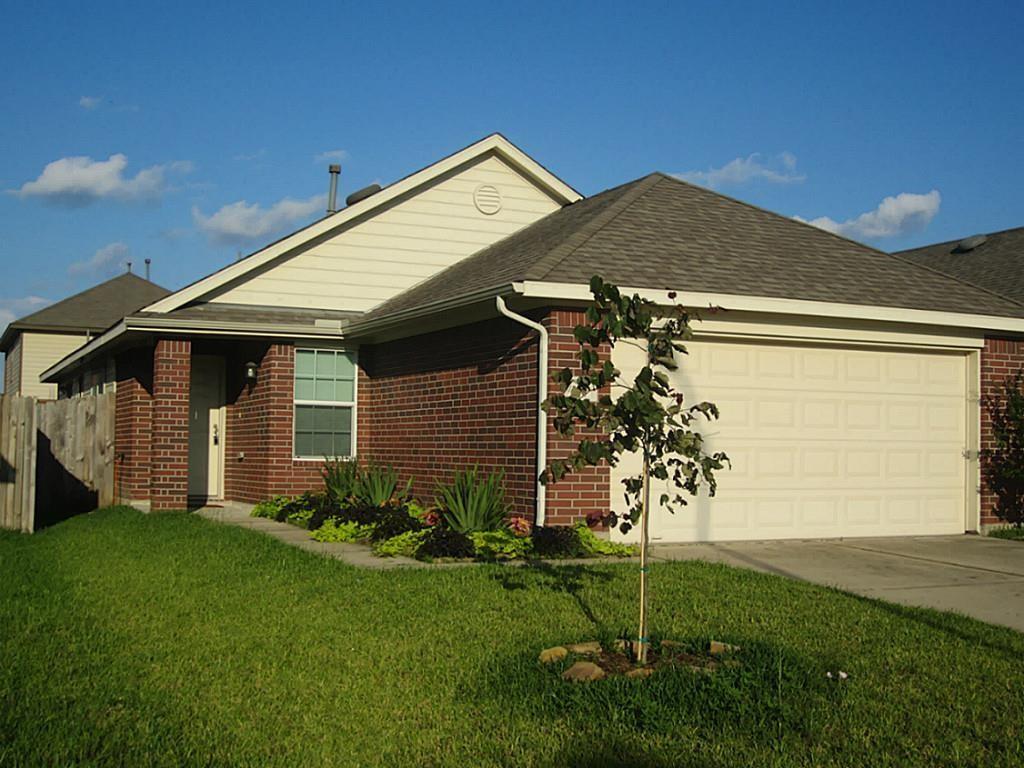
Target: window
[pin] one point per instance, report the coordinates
(325, 403)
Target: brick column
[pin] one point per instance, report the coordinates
(172, 364)
(133, 424)
(1000, 359)
(587, 492)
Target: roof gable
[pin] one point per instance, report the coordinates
(225, 284)
(659, 232)
(93, 310)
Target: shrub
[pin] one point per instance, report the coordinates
(1003, 464)
(473, 502)
(500, 545)
(592, 544)
(321, 505)
(394, 521)
(358, 512)
(270, 507)
(300, 518)
(556, 541)
(440, 541)
(333, 530)
(341, 478)
(377, 484)
(403, 545)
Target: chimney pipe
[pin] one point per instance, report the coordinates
(129, 265)
(148, 262)
(332, 196)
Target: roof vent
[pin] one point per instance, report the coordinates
(487, 199)
(969, 243)
(362, 194)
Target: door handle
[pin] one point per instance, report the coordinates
(216, 434)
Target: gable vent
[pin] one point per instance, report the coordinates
(487, 199)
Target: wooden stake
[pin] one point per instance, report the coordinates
(644, 641)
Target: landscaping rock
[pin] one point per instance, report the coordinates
(583, 672)
(592, 648)
(719, 649)
(640, 672)
(671, 644)
(551, 655)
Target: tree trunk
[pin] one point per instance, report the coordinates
(643, 641)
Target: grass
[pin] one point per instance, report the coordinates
(169, 640)
(1015, 533)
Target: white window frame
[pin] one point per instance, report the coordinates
(353, 404)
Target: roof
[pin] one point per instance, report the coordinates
(996, 265)
(248, 314)
(659, 232)
(495, 144)
(91, 311)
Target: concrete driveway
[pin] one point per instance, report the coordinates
(972, 575)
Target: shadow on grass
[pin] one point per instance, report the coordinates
(569, 579)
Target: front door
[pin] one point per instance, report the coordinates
(206, 428)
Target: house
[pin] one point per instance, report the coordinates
(415, 324)
(38, 341)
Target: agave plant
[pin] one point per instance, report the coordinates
(473, 502)
(341, 478)
(377, 484)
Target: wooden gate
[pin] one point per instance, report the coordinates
(56, 459)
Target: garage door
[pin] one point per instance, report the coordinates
(824, 441)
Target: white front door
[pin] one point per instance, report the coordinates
(206, 428)
(825, 441)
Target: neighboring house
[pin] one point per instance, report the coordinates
(405, 327)
(36, 342)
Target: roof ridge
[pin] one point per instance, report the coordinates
(959, 239)
(83, 292)
(548, 263)
(871, 248)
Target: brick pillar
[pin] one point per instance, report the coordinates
(1000, 359)
(133, 424)
(172, 363)
(587, 492)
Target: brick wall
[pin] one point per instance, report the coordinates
(1000, 359)
(587, 492)
(454, 398)
(259, 425)
(172, 363)
(133, 424)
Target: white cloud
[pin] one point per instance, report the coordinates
(335, 155)
(89, 102)
(77, 181)
(12, 309)
(899, 215)
(779, 169)
(242, 222)
(106, 261)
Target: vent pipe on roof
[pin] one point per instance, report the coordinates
(970, 243)
(128, 264)
(149, 262)
(332, 195)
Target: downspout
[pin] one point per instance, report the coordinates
(542, 417)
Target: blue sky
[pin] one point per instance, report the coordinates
(189, 132)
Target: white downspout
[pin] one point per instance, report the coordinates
(542, 417)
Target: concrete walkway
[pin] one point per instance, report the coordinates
(973, 575)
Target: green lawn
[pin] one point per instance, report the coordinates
(1015, 533)
(168, 640)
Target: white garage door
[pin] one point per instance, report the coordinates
(824, 442)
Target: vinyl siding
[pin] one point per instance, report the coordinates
(12, 369)
(379, 257)
(40, 351)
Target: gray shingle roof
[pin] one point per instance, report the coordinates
(996, 265)
(660, 232)
(247, 313)
(93, 310)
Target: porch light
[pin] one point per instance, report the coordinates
(250, 372)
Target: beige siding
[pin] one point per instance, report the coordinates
(39, 352)
(375, 259)
(12, 369)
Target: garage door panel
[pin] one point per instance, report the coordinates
(823, 441)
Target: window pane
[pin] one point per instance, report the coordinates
(304, 362)
(346, 365)
(343, 444)
(304, 389)
(324, 390)
(304, 444)
(304, 418)
(340, 420)
(323, 444)
(325, 365)
(346, 391)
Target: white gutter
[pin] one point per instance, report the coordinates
(542, 417)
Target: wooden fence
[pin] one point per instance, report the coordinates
(56, 459)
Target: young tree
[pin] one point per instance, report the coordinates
(1003, 463)
(647, 415)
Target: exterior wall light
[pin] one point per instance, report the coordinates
(251, 370)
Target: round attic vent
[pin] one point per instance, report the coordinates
(487, 199)
(970, 243)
